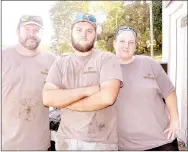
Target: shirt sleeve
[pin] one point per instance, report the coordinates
(111, 69)
(55, 74)
(163, 80)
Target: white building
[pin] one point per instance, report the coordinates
(175, 54)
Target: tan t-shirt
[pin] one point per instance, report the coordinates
(82, 71)
(142, 114)
(25, 120)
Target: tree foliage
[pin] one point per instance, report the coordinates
(157, 24)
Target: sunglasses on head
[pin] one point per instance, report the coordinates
(125, 28)
(88, 17)
(31, 18)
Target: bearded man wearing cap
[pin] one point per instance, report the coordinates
(85, 85)
(25, 120)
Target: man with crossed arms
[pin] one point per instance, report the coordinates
(85, 85)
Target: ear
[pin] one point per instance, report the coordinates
(42, 31)
(96, 37)
(114, 43)
(136, 48)
(136, 44)
(17, 32)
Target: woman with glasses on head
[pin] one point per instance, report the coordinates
(143, 116)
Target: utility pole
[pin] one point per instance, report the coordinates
(151, 29)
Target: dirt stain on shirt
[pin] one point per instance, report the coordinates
(26, 109)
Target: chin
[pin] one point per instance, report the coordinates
(126, 57)
(83, 44)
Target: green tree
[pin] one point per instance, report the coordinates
(111, 9)
(157, 25)
(135, 15)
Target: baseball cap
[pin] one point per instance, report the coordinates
(83, 17)
(126, 28)
(28, 19)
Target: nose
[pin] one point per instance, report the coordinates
(84, 34)
(126, 45)
(31, 33)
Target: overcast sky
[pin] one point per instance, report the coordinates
(13, 10)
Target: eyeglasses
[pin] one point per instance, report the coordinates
(125, 28)
(37, 19)
(82, 17)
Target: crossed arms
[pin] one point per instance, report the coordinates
(82, 99)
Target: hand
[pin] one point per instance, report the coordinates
(173, 129)
(70, 107)
(92, 89)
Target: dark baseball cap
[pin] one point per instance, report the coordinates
(29, 19)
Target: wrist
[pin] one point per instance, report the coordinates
(86, 91)
(174, 118)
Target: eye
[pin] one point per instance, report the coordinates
(131, 42)
(89, 31)
(36, 30)
(122, 41)
(79, 30)
(27, 29)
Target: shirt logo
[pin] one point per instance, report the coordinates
(149, 76)
(89, 70)
(45, 71)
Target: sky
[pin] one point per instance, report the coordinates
(13, 10)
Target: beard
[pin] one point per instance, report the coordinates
(81, 48)
(26, 43)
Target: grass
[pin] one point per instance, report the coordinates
(157, 56)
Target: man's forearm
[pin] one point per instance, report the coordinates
(171, 102)
(97, 101)
(61, 98)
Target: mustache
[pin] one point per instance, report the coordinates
(33, 38)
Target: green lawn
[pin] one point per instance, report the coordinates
(158, 58)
